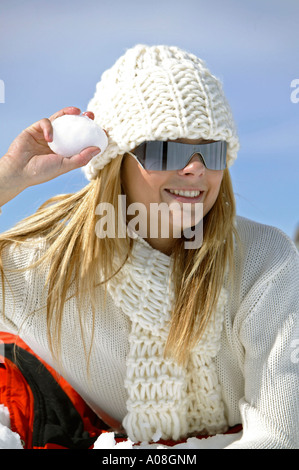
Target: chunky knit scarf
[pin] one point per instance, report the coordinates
(164, 397)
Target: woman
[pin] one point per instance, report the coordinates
(151, 333)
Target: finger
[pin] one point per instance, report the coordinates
(43, 126)
(88, 114)
(67, 110)
(80, 159)
(47, 129)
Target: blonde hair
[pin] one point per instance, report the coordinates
(78, 258)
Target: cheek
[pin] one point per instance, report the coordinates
(216, 182)
(214, 188)
(138, 184)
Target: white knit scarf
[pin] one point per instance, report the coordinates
(163, 397)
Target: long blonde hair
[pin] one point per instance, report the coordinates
(78, 258)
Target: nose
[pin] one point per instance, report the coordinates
(195, 167)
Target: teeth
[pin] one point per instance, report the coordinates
(185, 193)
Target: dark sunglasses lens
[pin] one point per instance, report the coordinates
(150, 155)
(158, 155)
(214, 155)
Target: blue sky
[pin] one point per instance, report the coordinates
(52, 54)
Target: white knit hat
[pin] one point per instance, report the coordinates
(159, 93)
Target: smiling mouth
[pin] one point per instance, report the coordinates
(188, 194)
(185, 193)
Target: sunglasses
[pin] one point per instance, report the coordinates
(166, 156)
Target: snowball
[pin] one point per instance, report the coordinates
(73, 133)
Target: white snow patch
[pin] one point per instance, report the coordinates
(106, 441)
(220, 441)
(8, 438)
(4, 416)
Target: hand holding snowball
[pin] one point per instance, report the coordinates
(29, 160)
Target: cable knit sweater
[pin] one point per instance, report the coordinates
(244, 370)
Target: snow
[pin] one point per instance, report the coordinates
(4, 416)
(73, 133)
(106, 441)
(8, 438)
(220, 441)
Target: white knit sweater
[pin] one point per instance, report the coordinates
(245, 369)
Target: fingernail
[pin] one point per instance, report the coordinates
(95, 152)
(50, 136)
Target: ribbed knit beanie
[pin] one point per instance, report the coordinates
(159, 93)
